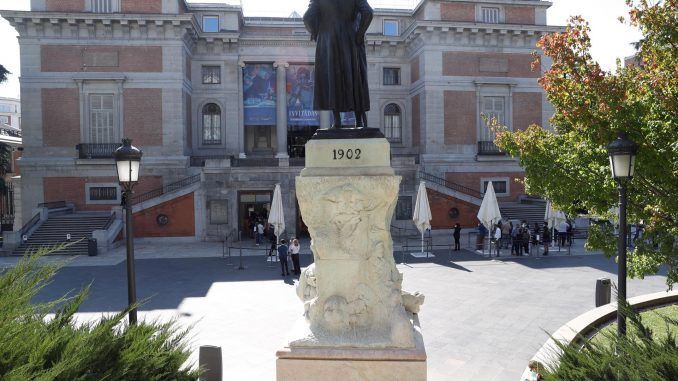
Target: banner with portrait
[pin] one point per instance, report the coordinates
(300, 96)
(259, 94)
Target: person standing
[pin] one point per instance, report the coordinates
(480, 240)
(457, 236)
(282, 255)
(259, 233)
(294, 253)
(515, 240)
(546, 238)
(496, 238)
(525, 238)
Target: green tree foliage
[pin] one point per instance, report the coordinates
(3, 74)
(640, 355)
(570, 165)
(35, 346)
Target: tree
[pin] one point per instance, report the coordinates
(570, 166)
(3, 74)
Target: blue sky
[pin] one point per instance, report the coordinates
(610, 39)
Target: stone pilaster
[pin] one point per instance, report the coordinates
(241, 113)
(281, 109)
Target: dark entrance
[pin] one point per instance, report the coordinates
(252, 206)
(297, 136)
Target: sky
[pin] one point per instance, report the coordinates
(609, 38)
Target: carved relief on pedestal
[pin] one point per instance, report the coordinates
(352, 294)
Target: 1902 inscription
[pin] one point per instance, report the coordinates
(346, 154)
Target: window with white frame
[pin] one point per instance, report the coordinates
(391, 76)
(210, 24)
(393, 128)
(391, 28)
(494, 109)
(102, 193)
(4, 107)
(102, 6)
(490, 15)
(101, 114)
(4, 119)
(211, 75)
(211, 124)
(500, 186)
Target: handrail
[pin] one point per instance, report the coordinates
(110, 221)
(30, 224)
(52, 205)
(448, 184)
(172, 187)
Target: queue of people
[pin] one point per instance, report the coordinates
(520, 238)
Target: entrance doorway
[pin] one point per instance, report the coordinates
(252, 206)
(297, 136)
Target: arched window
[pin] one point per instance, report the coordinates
(211, 124)
(393, 127)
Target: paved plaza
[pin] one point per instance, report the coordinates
(483, 318)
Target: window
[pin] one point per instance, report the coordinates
(210, 24)
(211, 74)
(211, 124)
(4, 107)
(4, 119)
(392, 123)
(404, 208)
(490, 15)
(391, 28)
(500, 186)
(391, 76)
(101, 118)
(102, 6)
(102, 193)
(493, 108)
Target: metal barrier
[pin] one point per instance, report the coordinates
(429, 247)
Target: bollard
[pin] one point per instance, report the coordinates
(602, 291)
(210, 361)
(241, 267)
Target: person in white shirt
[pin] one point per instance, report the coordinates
(260, 232)
(496, 237)
(294, 254)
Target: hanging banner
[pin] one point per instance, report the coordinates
(300, 96)
(259, 94)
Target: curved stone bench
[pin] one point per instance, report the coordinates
(586, 323)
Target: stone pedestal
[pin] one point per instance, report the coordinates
(355, 324)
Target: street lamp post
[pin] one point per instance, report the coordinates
(127, 160)
(622, 154)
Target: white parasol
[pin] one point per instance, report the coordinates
(489, 213)
(422, 214)
(276, 216)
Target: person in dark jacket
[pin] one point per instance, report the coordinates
(282, 255)
(457, 236)
(546, 234)
(338, 27)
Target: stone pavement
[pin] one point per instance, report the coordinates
(483, 318)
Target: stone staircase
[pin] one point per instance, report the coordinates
(53, 233)
(532, 212)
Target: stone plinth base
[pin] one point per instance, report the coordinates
(349, 364)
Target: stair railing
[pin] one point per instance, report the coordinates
(172, 187)
(30, 225)
(448, 184)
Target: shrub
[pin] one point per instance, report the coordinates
(640, 355)
(36, 346)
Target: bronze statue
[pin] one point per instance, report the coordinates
(339, 27)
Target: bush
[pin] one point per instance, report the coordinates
(34, 346)
(640, 355)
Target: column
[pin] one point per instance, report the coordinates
(281, 109)
(241, 114)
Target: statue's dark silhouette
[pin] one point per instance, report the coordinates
(339, 27)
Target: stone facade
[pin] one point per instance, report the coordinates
(150, 70)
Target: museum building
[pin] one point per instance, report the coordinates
(221, 106)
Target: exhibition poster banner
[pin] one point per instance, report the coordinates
(259, 94)
(300, 96)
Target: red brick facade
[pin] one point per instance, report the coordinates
(520, 15)
(65, 5)
(516, 187)
(180, 219)
(460, 117)
(60, 117)
(464, 12)
(488, 64)
(143, 116)
(526, 110)
(72, 58)
(72, 189)
(441, 205)
(145, 6)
